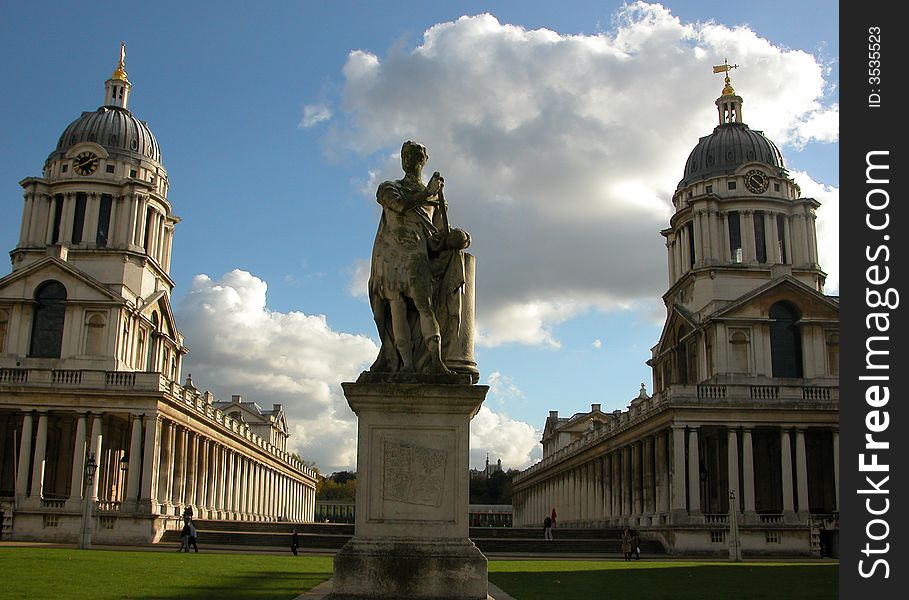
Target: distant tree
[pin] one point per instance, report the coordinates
(340, 486)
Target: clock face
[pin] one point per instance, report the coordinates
(756, 181)
(85, 163)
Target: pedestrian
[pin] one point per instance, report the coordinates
(193, 534)
(636, 544)
(184, 536)
(294, 542)
(626, 544)
(547, 528)
(553, 517)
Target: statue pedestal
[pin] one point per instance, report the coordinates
(411, 539)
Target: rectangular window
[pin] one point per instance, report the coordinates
(64, 168)
(58, 216)
(107, 522)
(104, 220)
(730, 185)
(690, 229)
(735, 236)
(709, 189)
(110, 168)
(79, 218)
(718, 537)
(776, 187)
(760, 242)
(51, 521)
(149, 223)
(781, 236)
(773, 537)
(132, 173)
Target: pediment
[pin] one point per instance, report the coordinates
(159, 302)
(811, 304)
(677, 316)
(80, 287)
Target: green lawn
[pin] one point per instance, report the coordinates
(33, 572)
(670, 580)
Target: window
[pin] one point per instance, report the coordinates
(781, 236)
(730, 185)
(4, 325)
(58, 216)
(51, 521)
(735, 236)
(739, 350)
(47, 322)
(64, 168)
(104, 220)
(109, 168)
(124, 344)
(832, 340)
(709, 189)
(760, 242)
(149, 223)
(94, 334)
(79, 218)
(718, 537)
(140, 350)
(785, 340)
(689, 228)
(772, 537)
(133, 172)
(107, 522)
(776, 187)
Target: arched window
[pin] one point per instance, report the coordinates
(94, 334)
(4, 325)
(785, 340)
(150, 361)
(739, 350)
(833, 352)
(47, 323)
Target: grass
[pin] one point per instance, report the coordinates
(670, 580)
(114, 574)
(34, 572)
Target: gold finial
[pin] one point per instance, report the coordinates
(725, 68)
(120, 73)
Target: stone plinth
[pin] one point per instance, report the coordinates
(412, 525)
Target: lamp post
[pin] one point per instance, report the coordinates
(735, 546)
(85, 540)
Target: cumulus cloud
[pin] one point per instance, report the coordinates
(314, 114)
(561, 152)
(597, 344)
(239, 346)
(294, 359)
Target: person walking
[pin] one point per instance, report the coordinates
(626, 544)
(636, 544)
(547, 528)
(184, 536)
(294, 542)
(193, 534)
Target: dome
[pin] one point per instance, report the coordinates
(730, 146)
(114, 128)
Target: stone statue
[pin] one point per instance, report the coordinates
(421, 281)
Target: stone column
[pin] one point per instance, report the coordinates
(801, 473)
(37, 487)
(96, 443)
(694, 471)
(78, 467)
(747, 472)
(203, 477)
(786, 459)
(748, 243)
(166, 465)
(836, 465)
(134, 465)
(617, 485)
(636, 477)
(607, 486)
(177, 497)
(647, 486)
(662, 472)
(678, 500)
(597, 495)
(192, 463)
(150, 465)
(732, 458)
(773, 239)
(627, 490)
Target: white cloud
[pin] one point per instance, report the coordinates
(517, 443)
(314, 114)
(597, 344)
(561, 152)
(270, 357)
(828, 227)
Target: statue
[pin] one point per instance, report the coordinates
(421, 280)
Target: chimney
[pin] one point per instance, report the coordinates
(595, 408)
(553, 414)
(236, 399)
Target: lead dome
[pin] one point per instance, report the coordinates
(115, 129)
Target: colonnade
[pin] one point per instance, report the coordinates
(669, 476)
(154, 465)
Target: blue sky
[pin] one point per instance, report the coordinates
(561, 132)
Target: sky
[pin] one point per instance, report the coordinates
(561, 131)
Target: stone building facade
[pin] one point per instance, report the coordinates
(745, 407)
(91, 359)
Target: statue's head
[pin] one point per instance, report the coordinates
(413, 155)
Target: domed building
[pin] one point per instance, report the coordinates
(91, 359)
(742, 426)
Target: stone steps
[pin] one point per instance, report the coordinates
(331, 537)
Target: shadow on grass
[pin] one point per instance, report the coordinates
(264, 585)
(656, 581)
